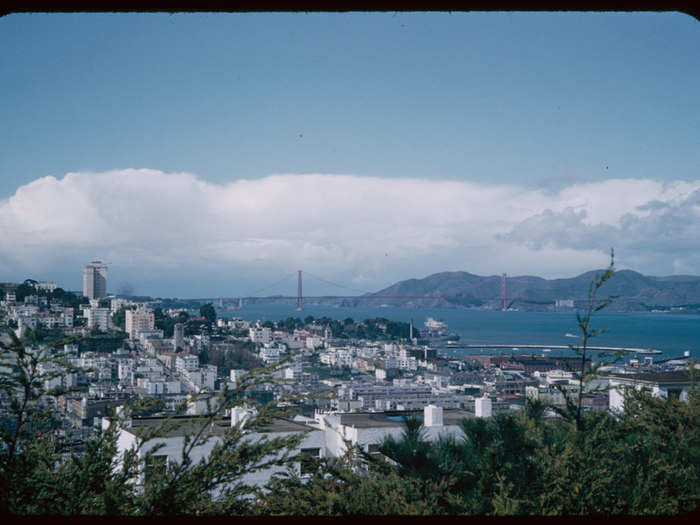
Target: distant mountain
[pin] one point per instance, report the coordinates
(465, 290)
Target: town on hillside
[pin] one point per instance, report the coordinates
(356, 379)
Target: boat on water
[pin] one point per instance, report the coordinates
(435, 331)
(434, 324)
(567, 334)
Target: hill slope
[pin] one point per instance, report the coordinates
(466, 290)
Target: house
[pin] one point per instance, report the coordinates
(327, 435)
(368, 429)
(675, 385)
(312, 442)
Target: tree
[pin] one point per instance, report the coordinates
(574, 404)
(39, 477)
(208, 312)
(26, 431)
(164, 322)
(352, 485)
(119, 318)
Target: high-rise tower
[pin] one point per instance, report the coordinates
(95, 280)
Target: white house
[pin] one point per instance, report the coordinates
(327, 435)
(312, 443)
(368, 429)
(664, 384)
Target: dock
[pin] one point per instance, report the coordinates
(647, 351)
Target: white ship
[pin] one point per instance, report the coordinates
(435, 325)
(436, 331)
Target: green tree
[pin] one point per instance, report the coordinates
(39, 477)
(165, 322)
(208, 312)
(119, 318)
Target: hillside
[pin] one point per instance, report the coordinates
(465, 290)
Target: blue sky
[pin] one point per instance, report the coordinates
(541, 102)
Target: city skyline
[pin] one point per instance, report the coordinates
(207, 155)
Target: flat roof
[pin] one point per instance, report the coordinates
(395, 419)
(682, 376)
(181, 425)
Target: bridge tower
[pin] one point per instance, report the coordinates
(299, 292)
(503, 290)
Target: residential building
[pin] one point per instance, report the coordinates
(99, 318)
(675, 385)
(260, 334)
(178, 336)
(141, 319)
(45, 285)
(312, 444)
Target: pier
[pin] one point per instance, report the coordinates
(647, 351)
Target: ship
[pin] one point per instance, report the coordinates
(435, 325)
(436, 331)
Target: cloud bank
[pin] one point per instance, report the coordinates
(171, 231)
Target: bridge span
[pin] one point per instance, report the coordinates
(648, 351)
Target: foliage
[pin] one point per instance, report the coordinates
(165, 322)
(208, 312)
(119, 318)
(344, 486)
(239, 356)
(102, 342)
(39, 476)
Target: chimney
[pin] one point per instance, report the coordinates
(482, 407)
(432, 416)
(239, 415)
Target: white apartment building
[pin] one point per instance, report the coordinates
(115, 303)
(203, 378)
(313, 341)
(260, 334)
(145, 335)
(67, 317)
(46, 285)
(270, 354)
(99, 318)
(141, 319)
(155, 387)
(186, 363)
(236, 375)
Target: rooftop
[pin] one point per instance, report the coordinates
(395, 419)
(180, 425)
(682, 376)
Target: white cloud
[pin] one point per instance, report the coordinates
(363, 231)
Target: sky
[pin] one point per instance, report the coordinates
(205, 155)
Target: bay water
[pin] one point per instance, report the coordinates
(672, 333)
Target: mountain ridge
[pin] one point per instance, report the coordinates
(460, 289)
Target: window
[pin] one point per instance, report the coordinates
(306, 462)
(155, 465)
(674, 393)
(373, 448)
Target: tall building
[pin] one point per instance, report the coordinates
(179, 336)
(139, 319)
(95, 280)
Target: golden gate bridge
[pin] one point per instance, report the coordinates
(364, 295)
